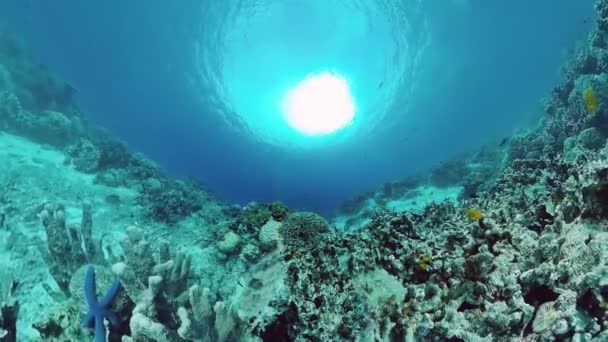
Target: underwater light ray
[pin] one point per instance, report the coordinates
(377, 43)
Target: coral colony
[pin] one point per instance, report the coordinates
(507, 244)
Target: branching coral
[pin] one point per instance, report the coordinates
(65, 251)
(166, 308)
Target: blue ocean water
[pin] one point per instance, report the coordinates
(195, 84)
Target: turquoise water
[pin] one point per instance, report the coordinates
(303, 170)
(197, 85)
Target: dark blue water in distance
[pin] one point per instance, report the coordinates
(185, 82)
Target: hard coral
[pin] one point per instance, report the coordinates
(65, 243)
(176, 201)
(255, 215)
(304, 230)
(167, 307)
(279, 211)
(84, 155)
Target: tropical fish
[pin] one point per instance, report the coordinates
(474, 214)
(591, 102)
(424, 262)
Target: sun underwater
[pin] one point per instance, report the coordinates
(319, 105)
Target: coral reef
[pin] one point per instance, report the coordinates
(166, 308)
(304, 231)
(9, 311)
(506, 244)
(66, 251)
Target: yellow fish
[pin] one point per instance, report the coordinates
(474, 214)
(590, 100)
(424, 262)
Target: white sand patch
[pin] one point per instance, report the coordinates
(425, 196)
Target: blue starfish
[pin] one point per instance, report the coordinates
(98, 310)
